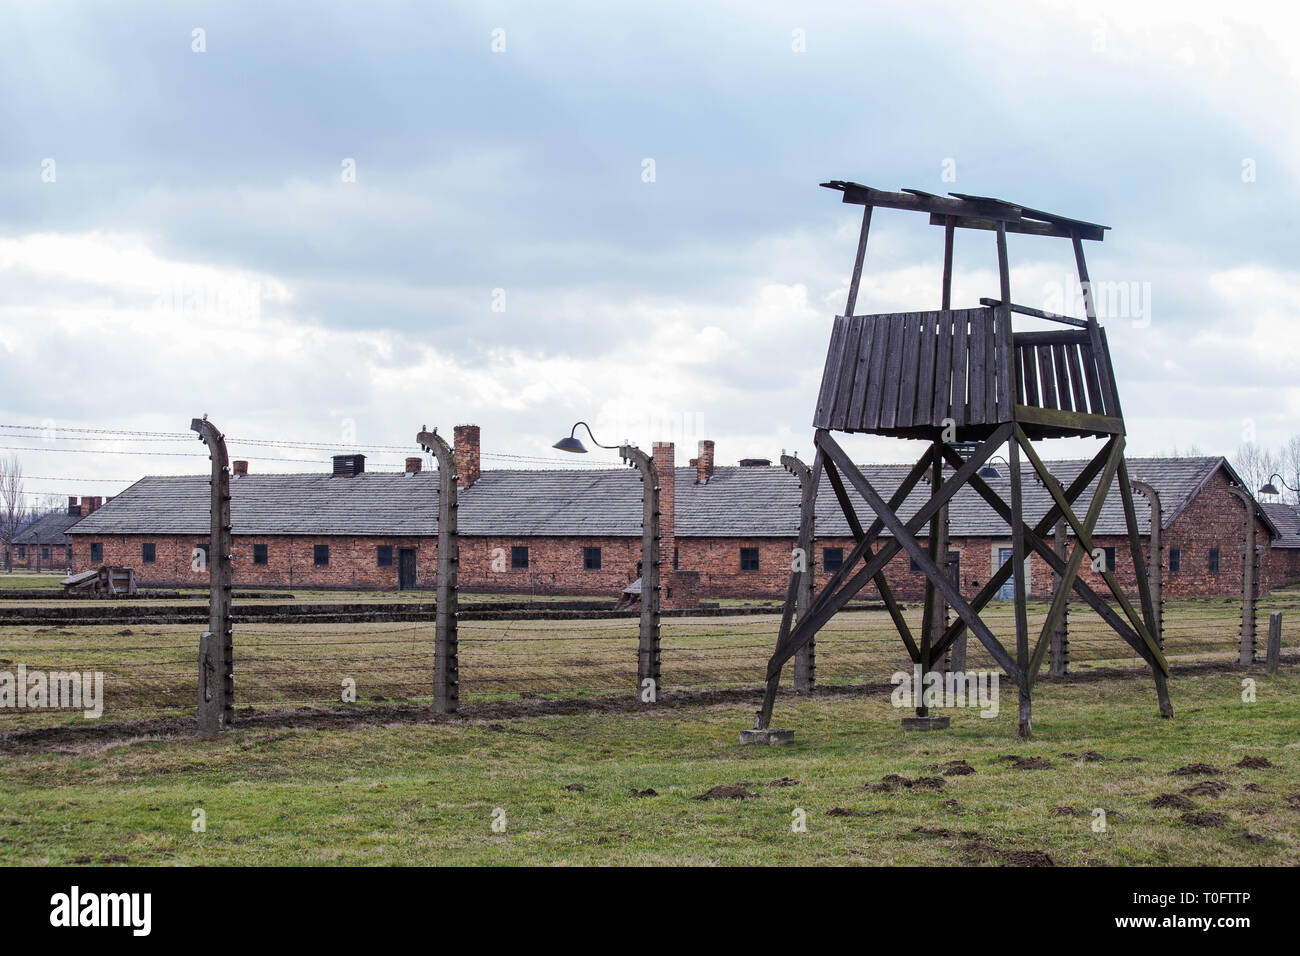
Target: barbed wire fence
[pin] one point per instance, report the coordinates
(150, 670)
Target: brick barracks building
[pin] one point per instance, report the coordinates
(726, 531)
(44, 544)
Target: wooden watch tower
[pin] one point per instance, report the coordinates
(965, 383)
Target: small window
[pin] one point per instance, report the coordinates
(676, 559)
(22, 551)
(384, 556)
(45, 554)
(200, 557)
(259, 554)
(321, 555)
(591, 559)
(1175, 559)
(749, 559)
(1214, 560)
(96, 553)
(832, 559)
(519, 557)
(148, 552)
(1110, 558)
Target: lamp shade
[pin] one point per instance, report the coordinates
(988, 471)
(570, 444)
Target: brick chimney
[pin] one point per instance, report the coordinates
(465, 448)
(704, 463)
(665, 466)
(90, 505)
(413, 466)
(240, 469)
(73, 507)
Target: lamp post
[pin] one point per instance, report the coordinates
(648, 658)
(988, 471)
(1271, 489)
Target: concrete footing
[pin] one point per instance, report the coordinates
(926, 723)
(769, 736)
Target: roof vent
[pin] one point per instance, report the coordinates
(345, 466)
(755, 462)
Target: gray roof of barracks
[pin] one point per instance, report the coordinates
(757, 501)
(1287, 519)
(47, 530)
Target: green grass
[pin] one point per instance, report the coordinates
(425, 793)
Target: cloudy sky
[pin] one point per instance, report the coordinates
(331, 223)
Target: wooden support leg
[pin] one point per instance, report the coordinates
(1021, 588)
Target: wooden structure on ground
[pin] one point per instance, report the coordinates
(965, 383)
(105, 581)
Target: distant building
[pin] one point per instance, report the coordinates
(725, 530)
(1286, 546)
(44, 545)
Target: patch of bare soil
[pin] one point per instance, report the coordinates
(727, 792)
(1132, 759)
(932, 832)
(1091, 756)
(575, 788)
(783, 782)
(1196, 770)
(71, 738)
(1253, 788)
(647, 792)
(1204, 818)
(1031, 763)
(1172, 801)
(1293, 799)
(1253, 763)
(1065, 812)
(844, 812)
(1206, 788)
(980, 849)
(892, 781)
(955, 768)
(952, 806)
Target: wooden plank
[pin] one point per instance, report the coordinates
(942, 368)
(876, 375)
(830, 374)
(857, 262)
(959, 358)
(911, 370)
(1039, 313)
(1006, 364)
(990, 320)
(925, 363)
(1050, 338)
(1096, 399)
(1076, 378)
(979, 370)
(1062, 378)
(893, 369)
(848, 366)
(1024, 227)
(1073, 422)
(1107, 372)
(1047, 374)
(1029, 362)
(862, 361)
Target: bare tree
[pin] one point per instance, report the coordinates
(1290, 468)
(1255, 464)
(13, 510)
